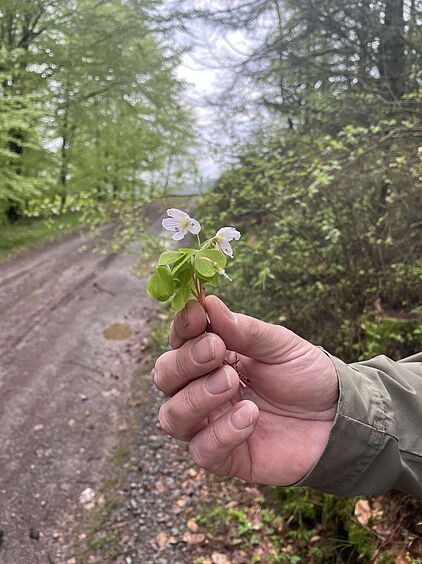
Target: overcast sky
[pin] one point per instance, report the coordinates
(204, 69)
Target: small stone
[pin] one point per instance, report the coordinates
(86, 496)
(220, 558)
(128, 560)
(133, 504)
(192, 538)
(43, 503)
(56, 535)
(38, 427)
(83, 397)
(192, 525)
(71, 422)
(34, 534)
(161, 518)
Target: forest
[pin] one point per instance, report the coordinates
(325, 187)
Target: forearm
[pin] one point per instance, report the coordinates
(376, 441)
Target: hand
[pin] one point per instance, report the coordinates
(271, 432)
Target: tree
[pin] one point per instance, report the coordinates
(98, 79)
(314, 61)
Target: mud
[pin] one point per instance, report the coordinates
(67, 321)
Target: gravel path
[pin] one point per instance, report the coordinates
(70, 322)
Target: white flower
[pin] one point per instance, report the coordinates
(180, 222)
(222, 238)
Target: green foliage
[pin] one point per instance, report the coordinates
(391, 336)
(24, 234)
(291, 517)
(95, 81)
(180, 275)
(331, 228)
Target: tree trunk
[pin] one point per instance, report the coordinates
(391, 64)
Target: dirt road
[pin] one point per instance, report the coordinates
(61, 384)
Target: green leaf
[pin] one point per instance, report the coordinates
(204, 268)
(183, 260)
(213, 281)
(217, 257)
(169, 257)
(181, 297)
(185, 274)
(161, 284)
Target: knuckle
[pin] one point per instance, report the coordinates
(192, 401)
(217, 438)
(258, 331)
(197, 454)
(181, 365)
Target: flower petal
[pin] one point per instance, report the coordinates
(177, 214)
(226, 248)
(180, 233)
(194, 226)
(170, 224)
(228, 233)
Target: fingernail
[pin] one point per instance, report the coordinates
(226, 310)
(218, 383)
(203, 350)
(184, 319)
(242, 417)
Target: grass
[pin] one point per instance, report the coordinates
(25, 234)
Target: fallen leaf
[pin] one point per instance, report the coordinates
(192, 525)
(191, 538)
(220, 558)
(363, 511)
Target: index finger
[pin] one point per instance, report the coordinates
(188, 323)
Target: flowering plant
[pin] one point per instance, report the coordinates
(181, 275)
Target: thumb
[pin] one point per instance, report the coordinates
(256, 339)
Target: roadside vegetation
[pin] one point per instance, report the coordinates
(91, 114)
(26, 234)
(326, 189)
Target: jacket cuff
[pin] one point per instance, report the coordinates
(362, 432)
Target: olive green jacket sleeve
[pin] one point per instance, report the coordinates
(376, 441)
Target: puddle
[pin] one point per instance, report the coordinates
(118, 332)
